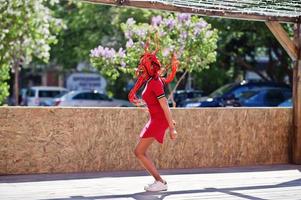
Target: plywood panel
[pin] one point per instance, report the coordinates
(48, 140)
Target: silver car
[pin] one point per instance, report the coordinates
(40, 95)
(89, 99)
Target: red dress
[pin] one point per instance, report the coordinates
(157, 125)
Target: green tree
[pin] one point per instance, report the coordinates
(243, 42)
(4, 76)
(26, 30)
(88, 25)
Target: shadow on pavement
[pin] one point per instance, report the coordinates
(233, 191)
(89, 175)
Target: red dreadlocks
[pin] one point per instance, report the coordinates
(150, 67)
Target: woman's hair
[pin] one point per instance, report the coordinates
(150, 67)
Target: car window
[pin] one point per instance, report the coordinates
(62, 93)
(287, 94)
(180, 95)
(49, 93)
(30, 93)
(222, 90)
(274, 97)
(194, 94)
(84, 96)
(247, 94)
(99, 96)
(237, 92)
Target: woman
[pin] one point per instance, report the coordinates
(153, 95)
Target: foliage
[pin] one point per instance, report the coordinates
(243, 45)
(191, 37)
(88, 25)
(4, 76)
(26, 30)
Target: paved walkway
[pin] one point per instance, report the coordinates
(258, 183)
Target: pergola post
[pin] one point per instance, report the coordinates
(293, 48)
(283, 38)
(296, 146)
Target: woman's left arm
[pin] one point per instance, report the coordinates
(164, 104)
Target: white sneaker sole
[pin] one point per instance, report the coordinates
(156, 190)
(148, 190)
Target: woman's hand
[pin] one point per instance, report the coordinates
(174, 122)
(139, 103)
(173, 133)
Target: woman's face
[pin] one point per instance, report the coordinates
(143, 71)
(155, 66)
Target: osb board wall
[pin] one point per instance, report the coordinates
(52, 140)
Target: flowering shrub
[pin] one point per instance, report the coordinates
(190, 37)
(27, 28)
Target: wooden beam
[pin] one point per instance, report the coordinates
(224, 13)
(283, 38)
(296, 139)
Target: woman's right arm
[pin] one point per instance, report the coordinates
(164, 104)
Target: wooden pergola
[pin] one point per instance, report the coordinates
(272, 12)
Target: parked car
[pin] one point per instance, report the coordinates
(286, 103)
(40, 95)
(227, 95)
(267, 97)
(183, 95)
(89, 99)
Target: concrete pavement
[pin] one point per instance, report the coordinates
(258, 183)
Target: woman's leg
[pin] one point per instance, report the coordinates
(140, 152)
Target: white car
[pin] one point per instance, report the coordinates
(89, 99)
(40, 95)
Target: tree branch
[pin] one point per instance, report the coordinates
(249, 67)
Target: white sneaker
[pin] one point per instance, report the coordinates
(150, 184)
(156, 187)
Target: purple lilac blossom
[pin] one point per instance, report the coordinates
(129, 43)
(196, 31)
(121, 52)
(141, 32)
(184, 35)
(142, 44)
(156, 21)
(162, 33)
(128, 34)
(166, 52)
(170, 23)
(201, 24)
(103, 52)
(181, 50)
(109, 53)
(93, 53)
(198, 27)
(97, 51)
(183, 17)
(123, 64)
